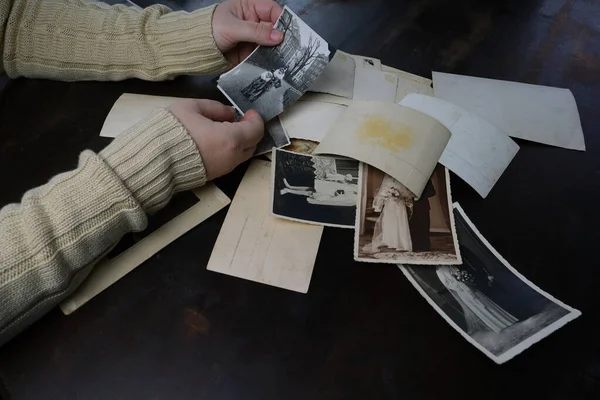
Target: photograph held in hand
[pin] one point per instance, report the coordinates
(392, 227)
(315, 189)
(273, 78)
(486, 300)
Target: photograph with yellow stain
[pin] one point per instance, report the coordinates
(379, 129)
(397, 140)
(392, 227)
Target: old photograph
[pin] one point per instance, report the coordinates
(392, 227)
(274, 136)
(315, 189)
(486, 300)
(273, 78)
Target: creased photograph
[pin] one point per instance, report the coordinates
(486, 300)
(315, 189)
(392, 227)
(273, 78)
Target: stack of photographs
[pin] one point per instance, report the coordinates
(348, 156)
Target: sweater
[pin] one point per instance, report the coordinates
(51, 240)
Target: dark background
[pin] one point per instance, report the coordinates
(299, 171)
(172, 330)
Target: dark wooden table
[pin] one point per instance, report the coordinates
(172, 330)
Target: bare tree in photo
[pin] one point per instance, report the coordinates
(304, 57)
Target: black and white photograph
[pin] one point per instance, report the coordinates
(394, 227)
(486, 300)
(314, 189)
(274, 136)
(273, 78)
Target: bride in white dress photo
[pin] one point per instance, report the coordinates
(392, 201)
(480, 312)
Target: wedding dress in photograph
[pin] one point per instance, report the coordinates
(391, 228)
(481, 313)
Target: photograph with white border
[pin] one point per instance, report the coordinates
(486, 300)
(393, 227)
(273, 78)
(314, 189)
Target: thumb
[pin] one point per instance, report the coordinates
(250, 129)
(256, 32)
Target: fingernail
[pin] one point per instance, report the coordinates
(276, 35)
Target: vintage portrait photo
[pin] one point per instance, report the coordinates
(392, 227)
(273, 78)
(486, 300)
(315, 189)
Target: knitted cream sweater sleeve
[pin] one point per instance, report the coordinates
(50, 240)
(83, 40)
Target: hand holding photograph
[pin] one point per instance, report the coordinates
(273, 78)
(313, 189)
(486, 300)
(392, 227)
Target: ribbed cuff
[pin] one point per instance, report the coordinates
(155, 159)
(186, 43)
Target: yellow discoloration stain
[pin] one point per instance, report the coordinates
(390, 135)
(342, 56)
(390, 78)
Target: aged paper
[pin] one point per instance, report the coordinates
(391, 227)
(486, 300)
(338, 76)
(297, 146)
(326, 98)
(540, 114)
(374, 84)
(400, 141)
(366, 62)
(478, 152)
(256, 246)
(109, 271)
(310, 120)
(409, 83)
(129, 109)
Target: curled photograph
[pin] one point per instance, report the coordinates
(486, 300)
(273, 78)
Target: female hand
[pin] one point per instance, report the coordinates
(223, 144)
(239, 25)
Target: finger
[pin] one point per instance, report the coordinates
(249, 130)
(267, 10)
(215, 110)
(262, 34)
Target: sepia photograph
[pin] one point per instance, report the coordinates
(273, 78)
(314, 189)
(486, 300)
(392, 227)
